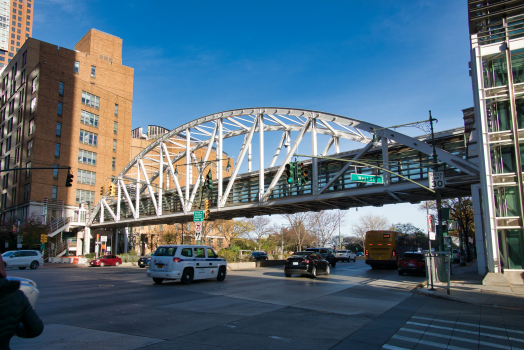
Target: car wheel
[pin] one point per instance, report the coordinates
(102, 264)
(158, 280)
(117, 263)
(400, 273)
(333, 264)
(287, 274)
(313, 273)
(187, 276)
(328, 270)
(221, 274)
(22, 268)
(34, 265)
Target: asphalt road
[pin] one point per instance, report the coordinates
(355, 307)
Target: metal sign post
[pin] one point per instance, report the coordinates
(198, 232)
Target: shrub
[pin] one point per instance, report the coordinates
(128, 257)
(228, 254)
(90, 256)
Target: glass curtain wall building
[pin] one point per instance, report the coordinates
(497, 71)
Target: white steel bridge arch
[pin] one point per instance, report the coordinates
(155, 162)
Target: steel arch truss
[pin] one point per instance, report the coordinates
(152, 173)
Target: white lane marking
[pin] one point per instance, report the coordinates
(392, 347)
(470, 324)
(280, 338)
(468, 332)
(453, 337)
(426, 342)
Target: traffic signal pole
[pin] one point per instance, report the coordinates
(440, 231)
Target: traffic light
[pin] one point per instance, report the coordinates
(43, 238)
(69, 180)
(303, 174)
(206, 210)
(291, 172)
(209, 180)
(102, 190)
(111, 189)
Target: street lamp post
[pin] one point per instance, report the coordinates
(440, 235)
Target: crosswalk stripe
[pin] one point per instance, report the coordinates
(426, 342)
(466, 331)
(453, 337)
(469, 324)
(392, 347)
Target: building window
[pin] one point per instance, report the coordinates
(13, 196)
(7, 162)
(86, 177)
(77, 67)
(115, 128)
(90, 100)
(11, 106)
(60, 109)
(33, 105)
(6, 181)
(23, 77)
(86, 157)
(28, 169)
(116, 110)
(113, 164)
(24, 57)
(88, 118)
(88, 138)
(93, 72)
(17, 155)
(4, 200)
(55, 171)
(8, 144)
(114, 145)
(83, 196)
(30, 148)
(27, 191)
(31, 126)
(61, 88)
(15, 175)
(34, 85)
(59, 129)
(22, 94)
(54, 192)
(10, 125)
(57, 150)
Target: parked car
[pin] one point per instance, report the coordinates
(306, 263)
(345, 255)
(456, 255)
(186, 263)
(28, 287)
(359, 253)
(259, 256)
(327, 253)
(412, 262)
(144, 261)
(106, 260)
(23, 259)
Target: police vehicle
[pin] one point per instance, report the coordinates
(186, 263)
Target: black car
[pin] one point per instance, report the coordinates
(306, 263)
(327, 253)
(144, 261)
(259, 256)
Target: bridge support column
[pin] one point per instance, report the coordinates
(87, 240)
(126, 239)
(480, 243)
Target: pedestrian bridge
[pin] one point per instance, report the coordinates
(150, 191)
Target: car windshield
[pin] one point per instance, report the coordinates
(301, 253)
(342, 251)
(105, 257)
(412, 256)
(7, 253)
(165, 251)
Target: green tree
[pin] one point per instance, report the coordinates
(31, 231)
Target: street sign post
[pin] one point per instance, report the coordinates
(377, 179)
(198, 227)
(431, 227)
(198, 216)
(436, 180)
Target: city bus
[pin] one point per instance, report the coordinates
(384, 248)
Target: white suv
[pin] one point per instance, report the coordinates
(186, 263)
(23, 259)
(345, 255)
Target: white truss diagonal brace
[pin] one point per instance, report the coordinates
(149, 187)
(287, 159)
(126, 194)
(108, 208)
(174, 178)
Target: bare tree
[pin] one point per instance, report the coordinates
(297, 225)
(260, 228)
(368, 222)
(324, 224)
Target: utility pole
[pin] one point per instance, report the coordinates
(440, 234)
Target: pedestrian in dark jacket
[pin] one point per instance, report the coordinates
(17, 316)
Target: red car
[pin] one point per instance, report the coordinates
(106, 260)
(412, 262)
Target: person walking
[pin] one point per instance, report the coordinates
(17, 316)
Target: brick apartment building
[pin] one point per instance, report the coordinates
(63, 108)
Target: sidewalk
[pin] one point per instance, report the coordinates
(466, 287)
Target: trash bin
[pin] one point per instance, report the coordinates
(439, 265)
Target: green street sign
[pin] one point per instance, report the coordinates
(198, 216)
(376, 179)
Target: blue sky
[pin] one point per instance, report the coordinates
(381, 61)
